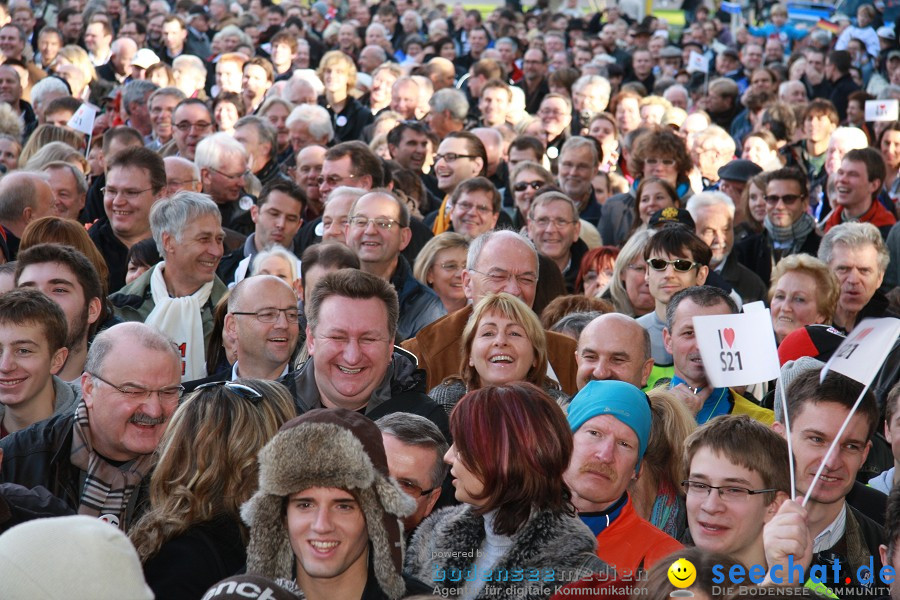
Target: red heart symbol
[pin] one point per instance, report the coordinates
(728, 334)
(863, 334)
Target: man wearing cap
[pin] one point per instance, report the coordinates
(713, 214)
(733, 178)
(669, 61)
(326, 519)
(611, 422)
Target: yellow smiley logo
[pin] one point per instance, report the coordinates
(682, 573)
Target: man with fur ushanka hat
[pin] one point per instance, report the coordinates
(326, 522)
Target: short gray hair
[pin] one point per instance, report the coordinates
(478, 244)
(145, 336)
(854, 235)
(46, 86)
(317, 119)
(705, 199)
(577, 142)
(586, 80)
(280, 252)
(173, 92)
(137, 90)
(173, 215)
(416, 430)
(451, 100)
(189, 62)
(80, 181)
(264, 130)
(211, 151)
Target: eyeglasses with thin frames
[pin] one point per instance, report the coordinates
(139, 393)
(109, 192)
(381, 222)
(270, 315)
(728, 493)
(231, 177)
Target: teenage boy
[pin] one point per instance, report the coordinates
(32, 351)
(736, 478)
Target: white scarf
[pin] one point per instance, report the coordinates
(180, 319)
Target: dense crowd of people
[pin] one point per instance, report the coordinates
(396, 300)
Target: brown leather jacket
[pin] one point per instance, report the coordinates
(438, 349)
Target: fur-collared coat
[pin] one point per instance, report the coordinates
(556, 549)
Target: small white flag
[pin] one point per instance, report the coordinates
(882, 110)
(83, 119)
(862, 353)
(697, 63)
(737, 349)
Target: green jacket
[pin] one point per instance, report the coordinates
(134, 302)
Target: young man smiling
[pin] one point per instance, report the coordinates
(326, 518)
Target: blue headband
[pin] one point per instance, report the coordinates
(619, 399)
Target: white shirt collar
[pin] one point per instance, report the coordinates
(832, 534)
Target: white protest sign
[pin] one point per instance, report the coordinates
(754, 306)
(83, 119)
(697, 63)
(882, 110)
(862, 353)
(737, 349)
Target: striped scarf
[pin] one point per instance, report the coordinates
(107, 488)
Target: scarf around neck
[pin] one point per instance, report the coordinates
(107, 488)
(792, 237)
(181, 319)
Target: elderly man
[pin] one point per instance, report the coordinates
(69, 189)
(610, 422)
(578, 161)
(24, 197)
(354, 365)
(277, 217)
(554, 227)
(793, 93)
(786, 203)
(309, 166)
(178, 295)
(689, 383)
(135, 96)
(135, 180)
(259, 138)
(181, 174)
(377, 231)
(405, 97)
(613, 346)
(309, 124)
(856, 254)
(223, 163)
(712, 149)
(415, 450)
(118, 69)
(98, 458)
(11, 93)
(713, 215)
(449, 108)
(498, 261)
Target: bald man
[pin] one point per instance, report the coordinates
(613, 346)
(181, 174)
(24, 197)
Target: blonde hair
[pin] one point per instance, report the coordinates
(57, 152)
(633, 249)
(10, 124)
(514, 309)
(207, 464)
(78, 56)
(46, 133)
(828, 290)
(428, 254)
(336, 56)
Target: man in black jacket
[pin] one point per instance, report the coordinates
(98, 459)
(352, 318)
(837, 70)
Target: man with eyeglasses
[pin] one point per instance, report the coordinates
(737, 477)
(839, 529)
(377, 231)
(224, 166)
(474, 207)
(498, 261)
(689, 382)
(135, 180)
(611, 423)
(415, 450)
(554, 227)
(460, 156)
(264, 323)
(788, 227)
(192, 121)
(161, 105)
(179, 294)
(182, 174)
(99, 457)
